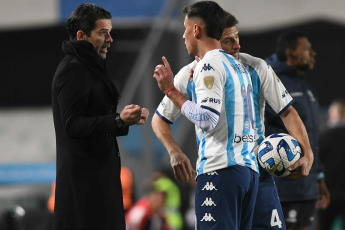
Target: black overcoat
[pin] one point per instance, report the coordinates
(84, 100)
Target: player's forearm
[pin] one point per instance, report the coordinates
(176, 97)
(201, 117)
(296, 128)
(164, 134)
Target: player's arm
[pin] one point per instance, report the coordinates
(296, 128)
(203, 117)
(180, 163)
(280, 102)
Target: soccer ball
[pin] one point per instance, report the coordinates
(277, 152)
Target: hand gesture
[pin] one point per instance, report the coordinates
(131, 114)
(181, 166)
(164, 76)
(144, 115)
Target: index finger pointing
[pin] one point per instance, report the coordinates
(165, 61)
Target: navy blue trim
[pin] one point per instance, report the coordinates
(212, 110)
(163, 118)
(287, 106)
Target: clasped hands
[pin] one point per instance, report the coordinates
(134, 115)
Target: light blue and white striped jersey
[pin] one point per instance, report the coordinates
(267, 88)
(222, 85)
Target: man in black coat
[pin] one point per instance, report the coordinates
(88, 186)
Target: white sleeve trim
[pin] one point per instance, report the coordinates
(203, 118)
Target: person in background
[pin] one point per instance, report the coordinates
(51, 199)
(172, 206)
(88, 192)
(148, 212)
(332, 155)
(127, 187)
(299, 197)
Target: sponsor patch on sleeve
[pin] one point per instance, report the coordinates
(209, 81)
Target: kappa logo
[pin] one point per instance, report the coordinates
(212, 173)
(208, 202)
(209, 186)
(206, 67)
(274, 168)
(207, 217)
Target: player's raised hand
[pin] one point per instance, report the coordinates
(144, 115)
(164, 76)
(191, 71)
(181, 166)
(302, 167)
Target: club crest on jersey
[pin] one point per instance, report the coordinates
(206, 67)
(209, 81)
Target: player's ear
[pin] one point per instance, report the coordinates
(197, 31)
(81, 35)
(290, 54)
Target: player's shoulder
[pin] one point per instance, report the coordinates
(211, 61)
(255, 62)
(184, 71)
(181, 78)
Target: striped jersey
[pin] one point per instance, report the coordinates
(266, 88)
(222, 85)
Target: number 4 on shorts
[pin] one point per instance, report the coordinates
(275, 220)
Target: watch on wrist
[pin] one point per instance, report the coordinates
(119, 122)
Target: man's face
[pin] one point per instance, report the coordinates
(303, 57)
(188, 36)
(100, 37)
(230, 41)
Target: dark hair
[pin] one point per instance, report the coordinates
(212, 15)
(230, 20)
(84, 18)
(287, 40)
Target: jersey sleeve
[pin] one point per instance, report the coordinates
(167, 109)
(274, 91)
(209, 78)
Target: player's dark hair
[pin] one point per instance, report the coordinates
(287, 40)
(212, 15)
(84, 18)
(230, 20)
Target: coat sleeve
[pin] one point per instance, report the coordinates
(73, 92)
